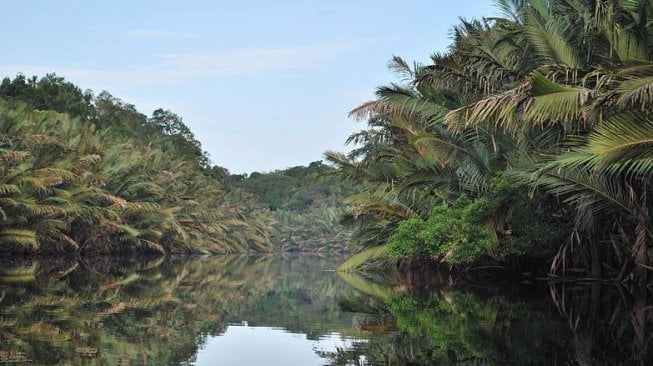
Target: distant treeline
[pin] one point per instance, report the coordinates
(306, 202)
(88, 174)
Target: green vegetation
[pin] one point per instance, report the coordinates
(87, 175)
(454, 233)
(306, 202)
(531, 135)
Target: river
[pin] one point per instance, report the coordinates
(296, 310)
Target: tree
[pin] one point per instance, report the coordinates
(551, 97)
(110, 183)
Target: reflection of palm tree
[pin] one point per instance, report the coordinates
(127, 310)
(609, 324)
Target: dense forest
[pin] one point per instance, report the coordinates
(306, 202)
(530, 136)
(88, 174)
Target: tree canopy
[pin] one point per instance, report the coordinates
(546, 107)
(306, 203)
(85, 175)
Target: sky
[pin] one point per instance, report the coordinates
(264, 85)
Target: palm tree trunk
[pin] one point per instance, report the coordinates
(595, 260)
(641, 240)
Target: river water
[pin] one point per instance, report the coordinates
(296, 310)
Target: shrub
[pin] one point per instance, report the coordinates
(456, 233)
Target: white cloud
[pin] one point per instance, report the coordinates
(176, 68)
(161, 34)
(254, 60)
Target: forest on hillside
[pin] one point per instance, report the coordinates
(86, 174)
(530, 136)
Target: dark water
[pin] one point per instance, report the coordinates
(297, 311)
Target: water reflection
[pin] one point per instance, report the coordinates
(158, 312)
(610, 324)
(297, 311)
(439, 323)
(448, 326)
(246, 346)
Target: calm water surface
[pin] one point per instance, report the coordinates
(296, 311)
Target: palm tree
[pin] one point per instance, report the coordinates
(69, 186)
(554, 96)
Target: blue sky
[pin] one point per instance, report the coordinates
(264, 85)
